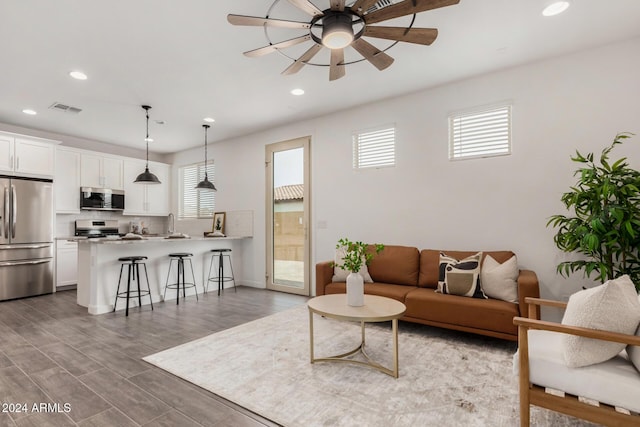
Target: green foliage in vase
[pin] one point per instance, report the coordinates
(605, 225)
(356, 254)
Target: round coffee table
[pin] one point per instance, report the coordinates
(375, 309)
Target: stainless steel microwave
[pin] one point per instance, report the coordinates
(101, 199)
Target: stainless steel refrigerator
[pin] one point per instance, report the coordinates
(26, 237)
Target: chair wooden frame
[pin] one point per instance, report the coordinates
(534, 394)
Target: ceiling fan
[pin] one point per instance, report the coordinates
(341, 26)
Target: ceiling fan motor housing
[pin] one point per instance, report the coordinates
(337, 32)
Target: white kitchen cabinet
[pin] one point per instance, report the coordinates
(146, 199)
(101, 171)
(67, 180)
(27, 156)
(66, 263)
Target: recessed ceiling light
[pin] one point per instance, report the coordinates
(209, 120)
(556, 7)
(297, 92)
(29, 111)
(78, 75)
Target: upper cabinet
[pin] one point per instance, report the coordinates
(27, 156)
(67, 180)
(146, 199)
(101, 171)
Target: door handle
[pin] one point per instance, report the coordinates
(14, 263)
(6, 213)
(13, 247)
(14, 198)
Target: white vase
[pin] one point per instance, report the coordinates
(355, 289)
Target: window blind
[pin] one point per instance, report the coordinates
(196, 203)
(480, 134)
(374, 149)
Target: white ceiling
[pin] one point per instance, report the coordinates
(185, 60)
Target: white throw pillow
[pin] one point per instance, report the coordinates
(500, 281)
(340, 275)
(612, 306)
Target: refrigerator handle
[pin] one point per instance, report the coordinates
(14, 199)
(5, 220)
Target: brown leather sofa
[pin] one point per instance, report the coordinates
(411, 276)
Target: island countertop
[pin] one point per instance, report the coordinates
(156, 239)
(99, 267)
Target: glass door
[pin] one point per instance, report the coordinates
(288, 253)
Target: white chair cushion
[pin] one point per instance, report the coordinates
(615, 382)
(613, 307)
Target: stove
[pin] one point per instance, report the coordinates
(95, 229)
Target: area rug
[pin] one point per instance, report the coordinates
(446, 378)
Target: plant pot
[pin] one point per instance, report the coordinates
(355, 290)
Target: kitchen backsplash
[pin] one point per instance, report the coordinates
(65, 223)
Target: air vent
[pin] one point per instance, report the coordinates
(380, 4)
(64, 108)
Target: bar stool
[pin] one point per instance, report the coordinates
(220, 278)
(180, 258)
(133, 273)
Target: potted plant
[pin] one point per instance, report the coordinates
(353, 256)
(605, 222)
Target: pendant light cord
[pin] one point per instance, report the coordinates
(147, 138)
(206, 127)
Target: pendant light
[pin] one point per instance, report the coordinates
(147, 177)
(205, 184)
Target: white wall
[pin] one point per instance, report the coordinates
(575, 102)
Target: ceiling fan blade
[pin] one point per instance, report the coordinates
(259, 22)
(406, 8)
(306, 6)
(374, 55)
(337, 64)
(300, 62)
(361, 6)
(424, 36)
(337, 5)
(273, 47)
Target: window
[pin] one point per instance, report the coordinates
(480, 133)
(196, 203)
(374, 149)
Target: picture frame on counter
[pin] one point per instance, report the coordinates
(218, 222)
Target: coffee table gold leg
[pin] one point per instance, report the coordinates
(362, 331)
(311, 335)
(394, 327)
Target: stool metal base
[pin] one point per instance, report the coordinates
(133, 273)
(179, 258)
(220, 279)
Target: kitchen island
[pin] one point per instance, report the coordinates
(99, 268)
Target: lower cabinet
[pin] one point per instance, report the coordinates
(66, 263)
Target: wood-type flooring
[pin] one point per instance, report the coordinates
(60, 366)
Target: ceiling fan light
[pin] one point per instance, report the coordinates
(337, 32)
(556, 7)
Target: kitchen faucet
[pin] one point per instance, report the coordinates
(172, 224)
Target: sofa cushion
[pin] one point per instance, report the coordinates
(381, 289)
(430, 260)
(488, 314)
(460, 277)
(396, 264)
(500, 280)
(613, 307)
(614, 382)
